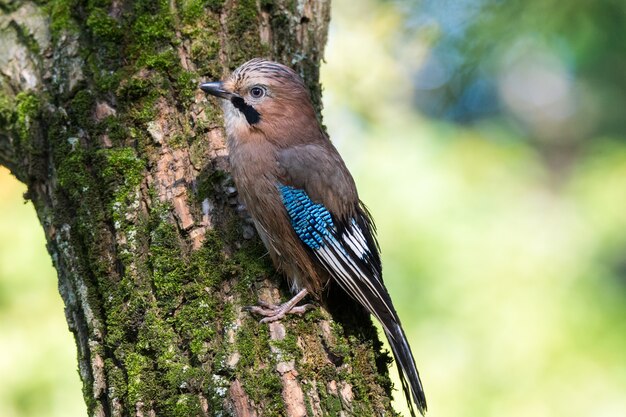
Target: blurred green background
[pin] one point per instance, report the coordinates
(488, 139)
(38, 365)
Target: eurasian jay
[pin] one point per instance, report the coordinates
(304, 202)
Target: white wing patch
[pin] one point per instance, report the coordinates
(359, 283)
(356, 241)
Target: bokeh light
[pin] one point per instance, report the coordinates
(498, 191)
(38, 361)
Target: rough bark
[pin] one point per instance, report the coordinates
(125, 163)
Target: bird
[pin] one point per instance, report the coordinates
(304, 202)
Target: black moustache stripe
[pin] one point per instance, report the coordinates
(252, 116)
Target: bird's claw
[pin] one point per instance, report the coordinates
(273, 312)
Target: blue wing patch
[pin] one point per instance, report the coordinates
(311, 222)
(344, 254)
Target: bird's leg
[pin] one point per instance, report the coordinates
(276, 312)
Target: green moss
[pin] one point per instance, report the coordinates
(189, 278)
(114, 129)
(194, 322)
(253, 265)
(332, 403)
(172, 373)
(107, 33)
(71, 177)
(191, 10)
(177, 141)
(7, 110)
(198, 149)
(126, 308)
(152, 28)
(157, 336)
(122, 168)
(256, 367)
(184, 405)
(121, 171)
(264, 386)
(340, 348)
(252, 343)
(61, 18)
(144, 112)
(191, 321)
(164, 61)
(105, 81)
(206, 269)
(103, 26)
(208, 266)
(186, 85)
(205, 47)
(27, 105)
(134, 88)
(80, 109)
(288, 347)
(141, 379)
(117, 379)
(153, 36)
(168, 267)
(242, 27)
(19, 115)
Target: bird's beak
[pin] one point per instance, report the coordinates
(216, 88)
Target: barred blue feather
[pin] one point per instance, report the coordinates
(311, 222)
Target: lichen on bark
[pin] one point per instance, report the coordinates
(126, 165)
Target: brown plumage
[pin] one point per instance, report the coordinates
(303, 200)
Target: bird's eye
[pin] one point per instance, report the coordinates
(257, 92)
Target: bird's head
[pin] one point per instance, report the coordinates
(263, 96)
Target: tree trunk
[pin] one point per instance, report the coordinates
(125, 163)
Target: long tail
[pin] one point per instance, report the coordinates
(409, 377)
(370, 292)
(349, 252)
